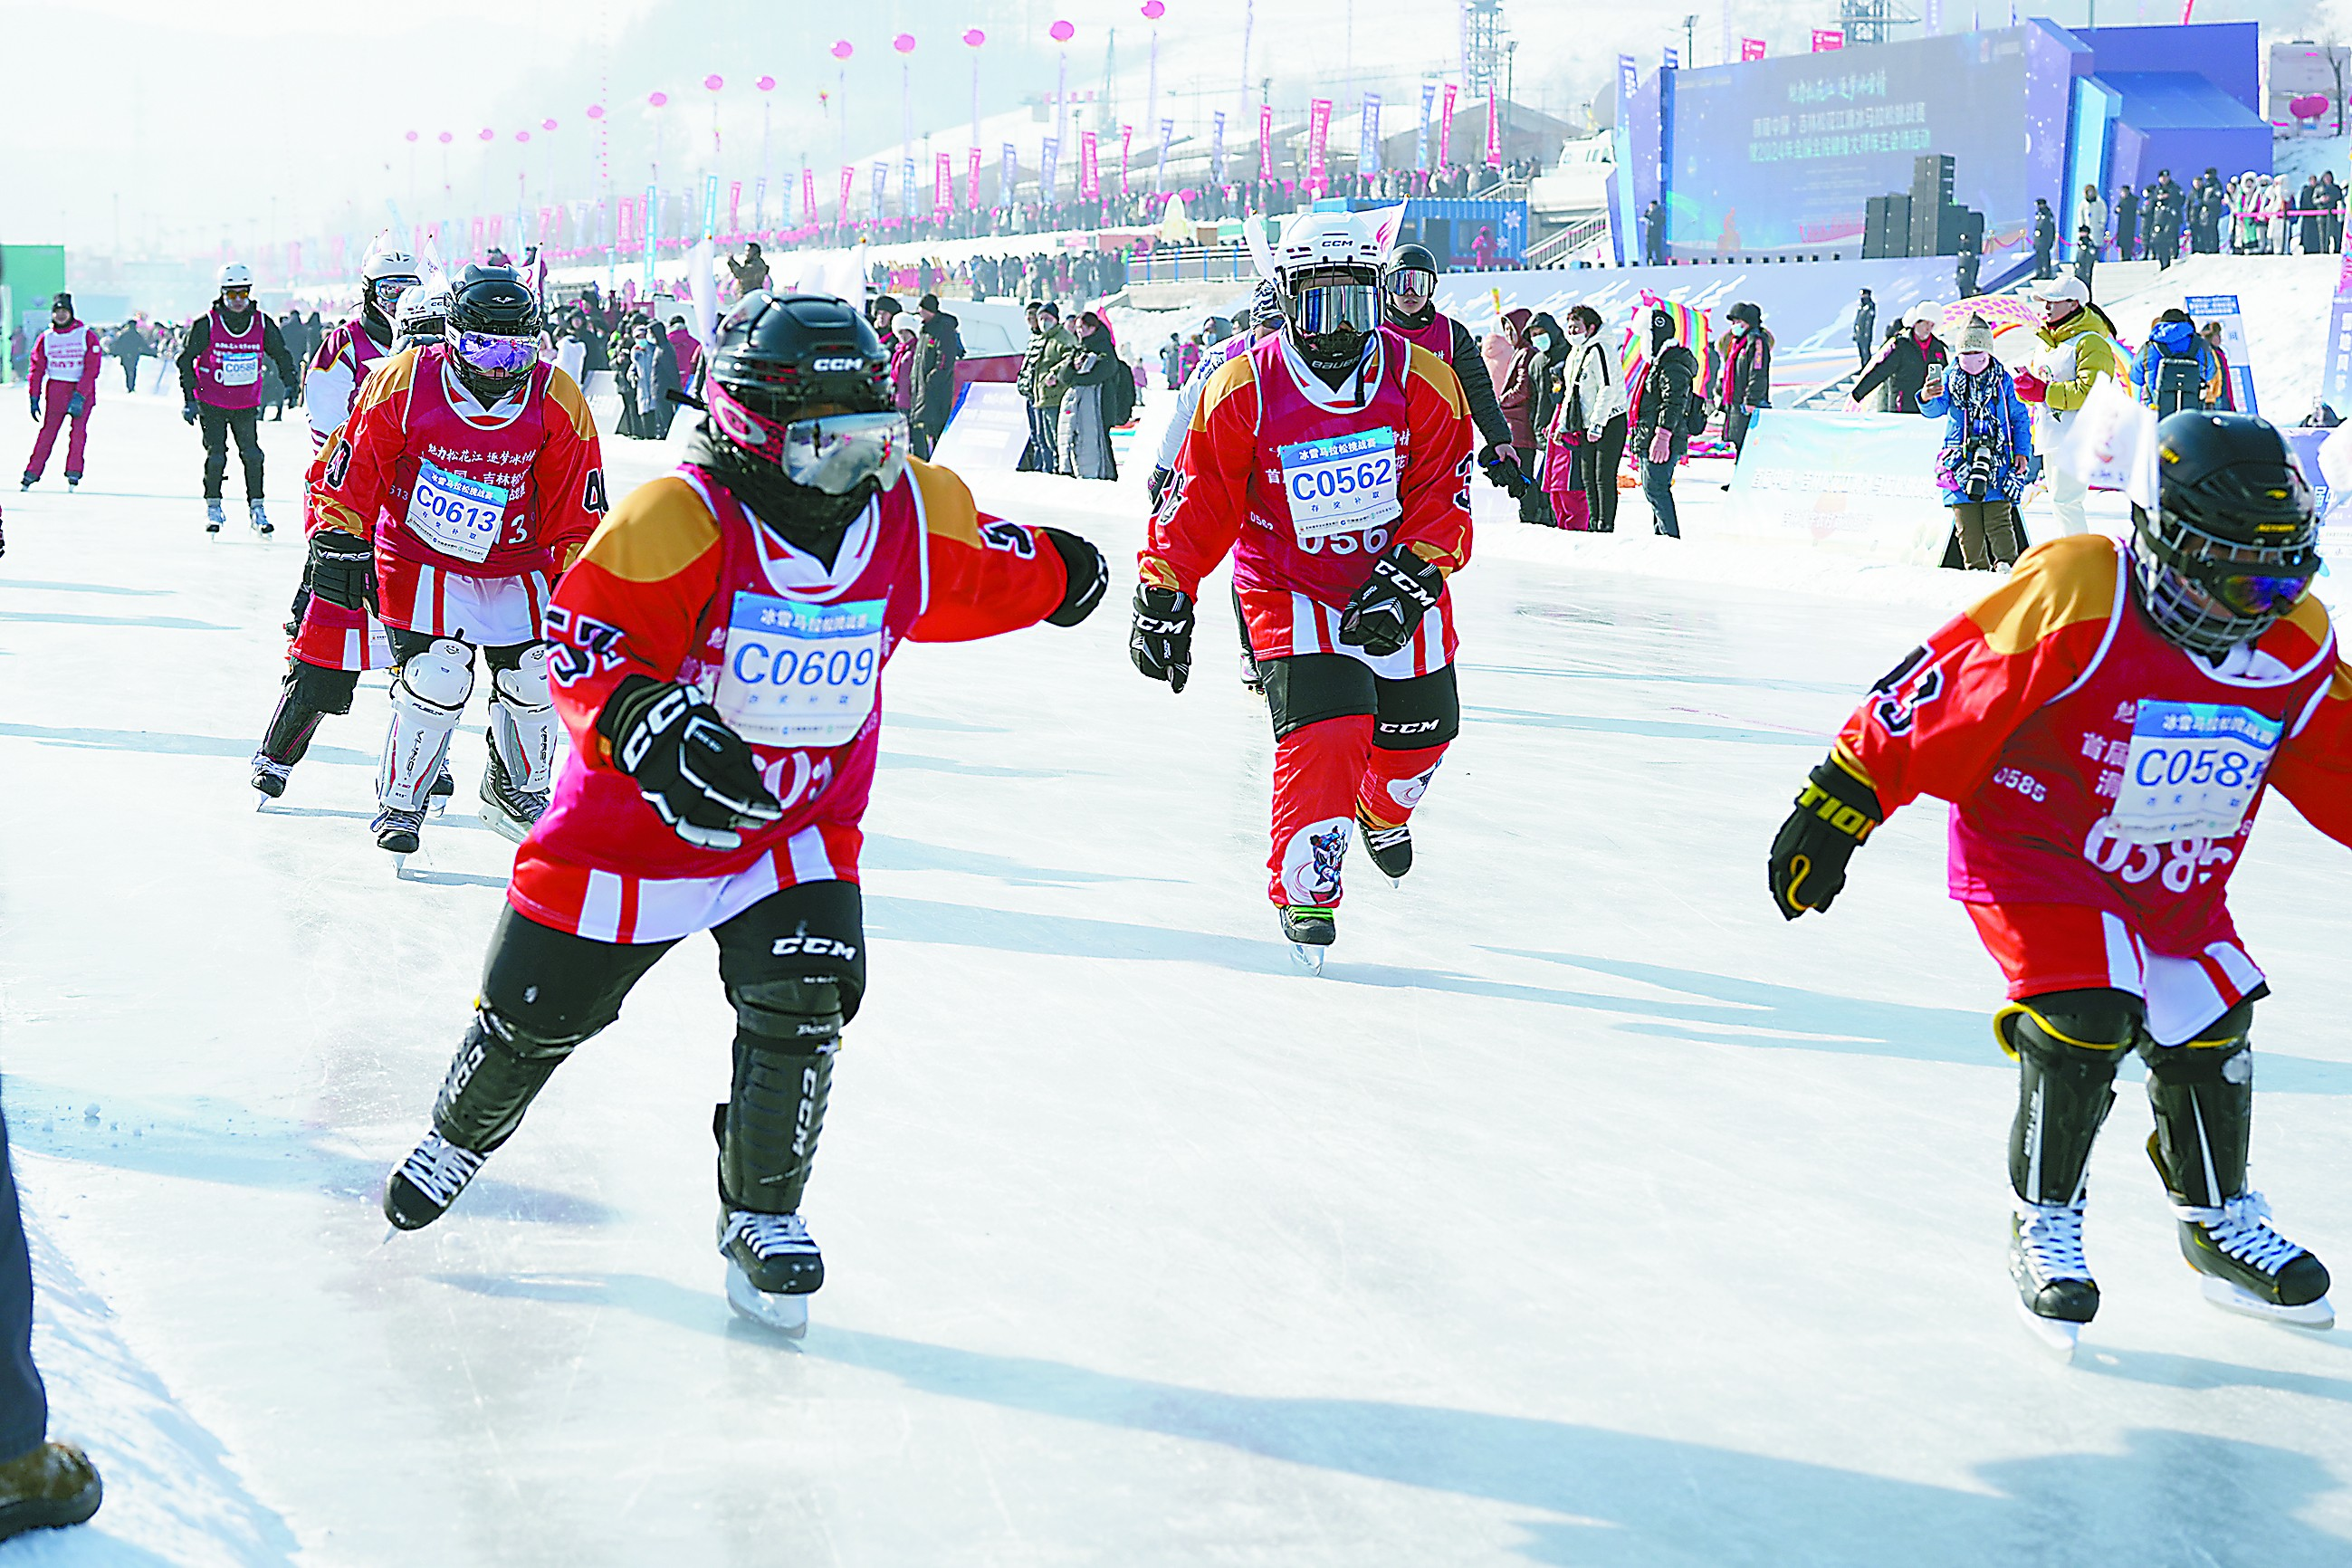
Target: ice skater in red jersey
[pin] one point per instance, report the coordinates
(482, 462)
(2105, 726)
(718, 657)
(66, 361)
(1332, 461)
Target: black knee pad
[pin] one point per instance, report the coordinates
(799, 1010)
(1415, 714)
(2203, 1097)
(327, 691)
(2067, 1045)
(500, 1068)
(1309, 688)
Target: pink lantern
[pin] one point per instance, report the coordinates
(547, 125)
(523, 135)
(2310, 106)
(412, 136)
(904, 43)
(842, 50)
(489, 134)
(656, 98)
(714, 81)
(1153, 10)
(595, 111)
(766, 84)
(1062, 32)
(446, 138)
(975, 38)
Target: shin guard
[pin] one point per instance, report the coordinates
(2066, 1059)
(522, 722)
(309, 695)
(497, 1071)
(428, 693)
(2203, 1097)
(785, 1036)
(1317, 769)
(1394, 783)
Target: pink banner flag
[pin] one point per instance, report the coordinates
(943, 185)
(972, 182)
(1318, 140)
(1265, 142)
(734, 206)
(1089, 167)
(1446, 125)
(1494, 133)
(1126, 151)
(808, 196)
(1751, 48)
(848, 184)
(1826, 39)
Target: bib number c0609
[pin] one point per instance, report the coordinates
(456, 515)
(1342, 484)
(2193, 771)
(800, 675)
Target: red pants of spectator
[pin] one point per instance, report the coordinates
(53, 414)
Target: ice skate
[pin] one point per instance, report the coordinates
(26, 485)
(259, 517)
(2250, 1267)
(2055, 1294)
(215, 515)
(772, 1267)
(508, 811)
(421, 1188)
(1310, 928)
(1251, 679)
(397, 831)
(1389, 847)
(73, 482)
(270, 775)
(443, 789)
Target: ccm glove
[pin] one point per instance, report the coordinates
(1161, 642)
(1090, 576)
(1383, 616)
(77, 406)
(696, 773)
(1156, 485)
(342, 569)
(1835, 814)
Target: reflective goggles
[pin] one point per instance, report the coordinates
(834, 454)
(1415, 280)
(495, 353)
(386, 291)
(237, 293)
(1317, 309)
(2248, 594)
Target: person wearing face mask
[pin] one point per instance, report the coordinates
(1409, 304)
(1591, 420)
(220, 388)
(1747, 375)
(1668, 397)
(720, 647)
(1332, 461)
(64, 366)
(2078, 349)
(1902, 366)
(1987, 449)
(1547, 380)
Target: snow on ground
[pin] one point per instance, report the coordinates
(1583, 1214)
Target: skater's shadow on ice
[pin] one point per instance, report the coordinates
(885, 853)
(2163, 1368)
(1651, 729)
(154, 622)
(1634, 1502)
(205, 1139)
(164, 744)
(107, 589)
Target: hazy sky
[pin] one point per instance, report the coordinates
(158, 121)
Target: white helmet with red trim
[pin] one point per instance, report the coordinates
(386, 274)
(1327, 266)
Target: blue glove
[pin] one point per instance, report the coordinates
(77, 406)
(189, 413)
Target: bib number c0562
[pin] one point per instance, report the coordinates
(800, 675)
(2193, 771)
(1342, 484)
(456, 515)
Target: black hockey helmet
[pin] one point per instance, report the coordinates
(492, 330)
(778, 354)
(1410, 269)
(2234, 540)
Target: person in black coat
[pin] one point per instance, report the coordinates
(937, 346)
(2126, 224)
(1660, 427)
(2045, 238)
(1903, 363)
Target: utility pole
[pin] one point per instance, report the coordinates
(1690, 43)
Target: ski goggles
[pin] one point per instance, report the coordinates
(495, 353)
(1418, 281)
(834, 454)
(386, 291)
(1317, 309)
(2247, 594)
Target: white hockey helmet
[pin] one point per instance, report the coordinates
(1315, 240)
(424, 313)
(388, 273)
(1328, 266)
(235, 275)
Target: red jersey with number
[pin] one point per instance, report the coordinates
(682, 585)
(464, 490)
(2090, 761)
(1306, 488)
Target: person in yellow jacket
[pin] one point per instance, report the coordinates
(2078, 348)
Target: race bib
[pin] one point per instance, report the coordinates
(1342, 484)
(2192, 771)
(800, 675)
(236, 368)
(456, 515)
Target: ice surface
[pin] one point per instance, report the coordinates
(1581, 1213)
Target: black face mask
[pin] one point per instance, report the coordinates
(803, 517)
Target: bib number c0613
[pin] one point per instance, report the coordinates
(2193, 771)
(456, 515)
(1342, 484)
(800, 675)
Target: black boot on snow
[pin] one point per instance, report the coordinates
(1390, 848)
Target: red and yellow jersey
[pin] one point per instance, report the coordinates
(681, 585)
(2091, 762)
(330, 386)
(1307, 489)
(495, 493)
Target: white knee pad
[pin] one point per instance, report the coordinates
(525, 685)
(522, 722)
(427, 696)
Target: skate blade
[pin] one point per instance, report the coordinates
(2058, 1336)
(1310, 959)
(505, 826)
(785, 1315)
(2317, 1316)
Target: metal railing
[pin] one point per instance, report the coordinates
(1193, 264)
(1551, 251)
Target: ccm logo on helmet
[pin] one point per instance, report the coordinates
(852, 362)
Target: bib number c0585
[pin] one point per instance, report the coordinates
(2193, 771)
(800, 675)
(1342, 484)
(236, 368)
(456, 515)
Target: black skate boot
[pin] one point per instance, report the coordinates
(215, 515)
(270, 775)
(508, 811)
(2054, 1288)
(443, 789)
(26, 485)
(397, 831)
(1310, 928)
(772, 1267)
(2250, 1267)
(421, 1188)
(73, 482)
(1389, 847)
(259, 517)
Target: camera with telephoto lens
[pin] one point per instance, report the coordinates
(1978, 463)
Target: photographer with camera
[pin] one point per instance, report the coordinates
(1988, 448)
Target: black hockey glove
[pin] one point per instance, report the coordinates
(77, 406)
(1383, 616)
(188, 411)
(696, 773)
(1090, 576)
(1502, 471)
(1161, 642)
(342, 569)
(1156, 485)
(1834, 816)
